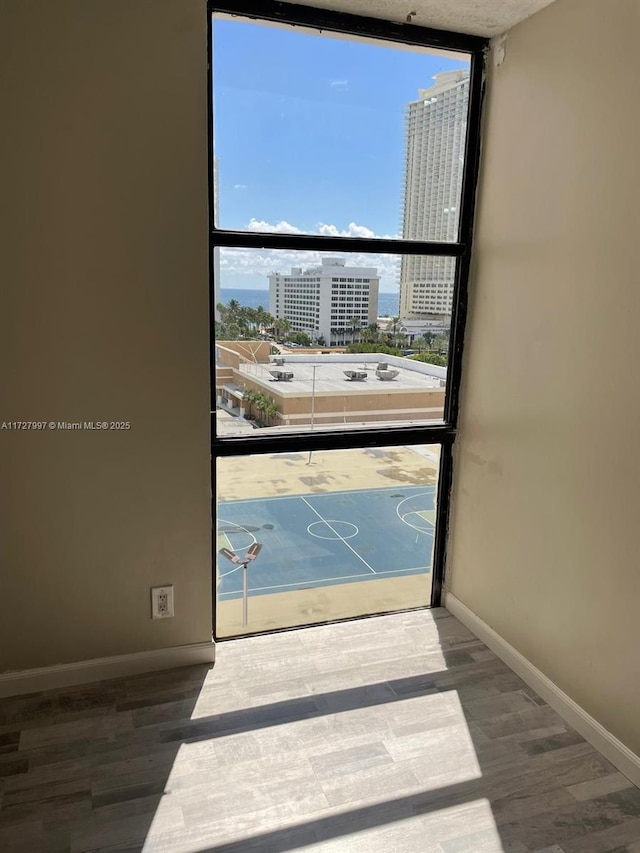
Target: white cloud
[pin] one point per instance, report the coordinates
(281, 227)
(339, 84)
(352, 230)
(239, 186)
(259, 263)
(323, 228)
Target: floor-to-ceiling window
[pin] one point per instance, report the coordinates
(343, 169)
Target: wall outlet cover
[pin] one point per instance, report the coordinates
(161, 602)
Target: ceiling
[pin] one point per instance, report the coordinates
(475, 17)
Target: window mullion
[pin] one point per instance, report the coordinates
(313, 242)
(332, 440)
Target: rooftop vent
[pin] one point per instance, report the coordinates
(386, 375)
(383, 365)
(278, 360)
(355, 375)
(281, 375)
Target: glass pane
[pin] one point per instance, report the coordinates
(327, 341)
(318, 134)
(323, 536)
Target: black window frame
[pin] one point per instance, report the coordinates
(444, 433)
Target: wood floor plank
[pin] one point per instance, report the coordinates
(400, 733)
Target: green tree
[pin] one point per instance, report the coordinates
(355, 325)
(271, 411)
(264, 320)
(398, 333)
(227, 327)
(424, 342)
(262, 401)
(249, 397)
(381, 348)
(239, 322)
(267, 408)
(370, 333)
(281, 326)
(440, 344)
(431, 358)
(300, 338)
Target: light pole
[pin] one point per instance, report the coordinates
(313, 405)
(252, 552)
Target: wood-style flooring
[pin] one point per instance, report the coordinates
(397, 734)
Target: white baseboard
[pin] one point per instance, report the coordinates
(99, 669)
(591, 730)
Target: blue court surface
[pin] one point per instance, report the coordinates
(319, 540)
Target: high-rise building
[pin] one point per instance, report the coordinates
(436, 127)
(325, 301)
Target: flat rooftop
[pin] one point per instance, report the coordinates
(227, 424)
(330, 378)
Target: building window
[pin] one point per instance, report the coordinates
(327, 271)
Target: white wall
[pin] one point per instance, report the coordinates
(104, 316)
(544, 540)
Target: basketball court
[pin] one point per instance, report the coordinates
(319, 540)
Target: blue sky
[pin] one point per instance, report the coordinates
(309, 136)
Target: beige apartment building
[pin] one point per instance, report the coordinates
(436, 125)
(328, 389)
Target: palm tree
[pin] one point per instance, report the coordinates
(398, 333)
(369, 334)
(355, 325)
(424, 341)
(264, 320)
(395, 324)
(440, 344)
(251, 397)
(281, 326)
(271, 411)
(262, 403)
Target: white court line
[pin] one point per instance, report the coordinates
(230, 572)
(326, 494)
(324, 580)
(329, 538)
(338, 535)
(403, 517)
(422, 518)
(238, 527)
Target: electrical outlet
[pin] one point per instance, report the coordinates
(161, 602)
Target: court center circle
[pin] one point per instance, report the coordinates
(331, 529)
(238, 537)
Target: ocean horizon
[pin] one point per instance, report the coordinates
(387, 302)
